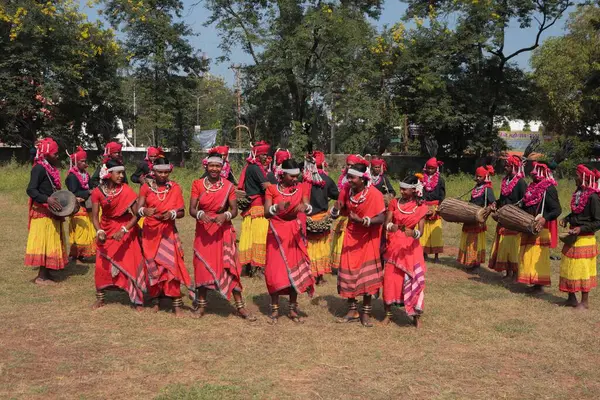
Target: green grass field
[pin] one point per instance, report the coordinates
(480, 339)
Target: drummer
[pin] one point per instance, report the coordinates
(434, 192)
(322, 189)
(379, 179)
(541, 201)
(45, 246)
(82, 234)
(471, 252)
(112, 151)
(505, 250)
(578, 264)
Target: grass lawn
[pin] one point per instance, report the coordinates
(480, 339)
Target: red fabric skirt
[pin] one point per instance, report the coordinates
(288, 263)
(120, 263)
(216, 264)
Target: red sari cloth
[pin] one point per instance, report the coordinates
(161, 245)
(216, 264)
(119, 263)
(288, 263)
(404, 276)
(361, 272)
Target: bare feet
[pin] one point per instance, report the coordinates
(97, 304)
(178, 312)
(365, 320)
(417, 321)
(138, 308)
(245, 314)
(386, 321)
(352, 316)
(581, 306)
(198, 312)
(44, 282)
(436, 259)
(570, 303)
(293, 315)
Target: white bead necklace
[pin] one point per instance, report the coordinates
(213, 187)
(286, 194)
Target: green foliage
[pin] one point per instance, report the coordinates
(567, 69)
(580, 153)
(58, 73)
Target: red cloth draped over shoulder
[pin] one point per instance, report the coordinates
(125, 255)
(288, 263)
(360, 272)
(160, 241)
(216, 264)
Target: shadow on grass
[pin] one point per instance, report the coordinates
(71, 269)
(484, 275)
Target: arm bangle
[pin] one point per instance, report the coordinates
(366, 221)
(309, 209)
(334, 212)
(228, 215)
(125, 230)
(199, 214)
(417, 234)
(389, 226)
(273, 209)
(100, 230)
(141, 211)
(173, 214)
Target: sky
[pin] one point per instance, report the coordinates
(207, 39)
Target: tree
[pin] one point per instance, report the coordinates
(568, 73)
(58, 73)
(479, 40)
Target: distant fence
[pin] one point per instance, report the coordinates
(398, 165)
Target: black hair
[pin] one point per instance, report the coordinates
(359, 167)
(289, 164)
(410, 180)
(161, 160)
(113, 163)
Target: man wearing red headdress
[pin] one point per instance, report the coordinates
(112, 151)
(505, 249)
(145, 167)
(471, 252)
(341, 223)
(322, 189)
(578, 264)
(541, 201)
(253, 181)
(434, 192)
(278, 158)
(380, 180)
(82, 233)
(45, 245)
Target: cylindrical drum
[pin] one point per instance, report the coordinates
(454, 210)
(513, 218)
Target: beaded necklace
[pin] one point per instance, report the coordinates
(407, 212)
(154, 188)
(286, 194)
(213, 187)
(362, 196)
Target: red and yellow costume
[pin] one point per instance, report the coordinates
(162, 249)
(252, 248)
(119, 263)
(45, 243)
(288, 263)
(434, 192)
(82, 234)
(216, 264)
(404, 276)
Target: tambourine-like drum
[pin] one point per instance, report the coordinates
(67, 200)
(318, 226)
(243, 201)
(513, 218)
(454, 210)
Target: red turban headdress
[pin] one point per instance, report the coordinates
(433, 163)
(46, 146)
(354, 159)
(153, 151)
(485, 172)
(112, 147)
(261, 148)
(587, 176)
(319, 157)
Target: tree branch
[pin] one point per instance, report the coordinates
(241, 24)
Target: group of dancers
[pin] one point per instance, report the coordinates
(374, 240)
(525, 257)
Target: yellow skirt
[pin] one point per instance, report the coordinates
(337, 242)
(253, 239)
(578, 265)
(319, 248)
(471, 252)
(505, 251)
(431, 239)
(534, 259)
(45, 245)
(82, 235)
